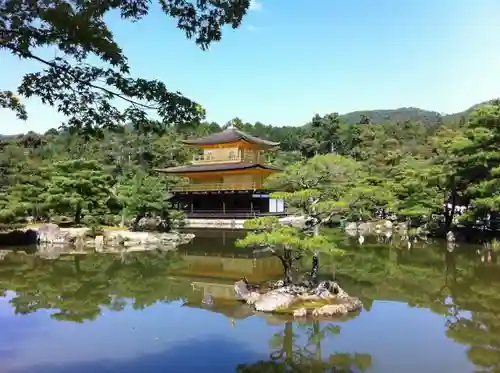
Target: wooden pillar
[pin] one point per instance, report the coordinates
(191, 207)
(223, 204)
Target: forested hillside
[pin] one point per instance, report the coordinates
(408, 114)
(394, 115)
(409, 168)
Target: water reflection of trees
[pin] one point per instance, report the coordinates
(291, 357)
(78, 287)
(457, 285)
(481, 330)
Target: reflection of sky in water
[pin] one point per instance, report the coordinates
(178, 339)
(5, 308)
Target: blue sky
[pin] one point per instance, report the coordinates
(293, 58)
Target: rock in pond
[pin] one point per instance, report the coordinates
(128, 238)
(54, 235)
(274, 300)
(326, 299)
(368, 228)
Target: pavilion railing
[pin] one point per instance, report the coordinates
(246, 157)
(216, 187)
(230, 213)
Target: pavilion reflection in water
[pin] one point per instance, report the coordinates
(212, 264)
(214, 276)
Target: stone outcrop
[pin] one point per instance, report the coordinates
(53, 235)
(375, 228)
(128, 239)
(50, 251)
(149, 224)
(326, 299)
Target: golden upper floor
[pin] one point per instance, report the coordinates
(230, 146)
(230, 160)
(229, 155)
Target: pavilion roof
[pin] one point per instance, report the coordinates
(216, 167)
(229, 135)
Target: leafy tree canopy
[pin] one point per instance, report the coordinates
(86, 91)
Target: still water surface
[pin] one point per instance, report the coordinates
(426, 309)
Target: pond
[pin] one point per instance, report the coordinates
(425, 309)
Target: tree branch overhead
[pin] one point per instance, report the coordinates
(85, 93)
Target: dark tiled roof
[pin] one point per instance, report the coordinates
(216, 167)
(227, 136)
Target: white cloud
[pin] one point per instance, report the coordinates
(255, 5)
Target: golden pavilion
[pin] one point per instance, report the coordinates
(226, 178)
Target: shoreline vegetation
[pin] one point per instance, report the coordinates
(431, 177)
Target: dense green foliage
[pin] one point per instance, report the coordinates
(354, 171)
(408, 172)
(106, 180)
(91, 71)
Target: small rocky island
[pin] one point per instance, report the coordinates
(302, 300)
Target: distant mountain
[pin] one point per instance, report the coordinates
(8, 137)
(408, 114)
(466, 113)
(384, 115)
(393, 115)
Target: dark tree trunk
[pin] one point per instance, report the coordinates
(449, 213)
(76, 262)
(315, 269)
(317, 332)
(122, 220)
(451, 268)
(78, 214)
(288, 340)
(286, 261)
